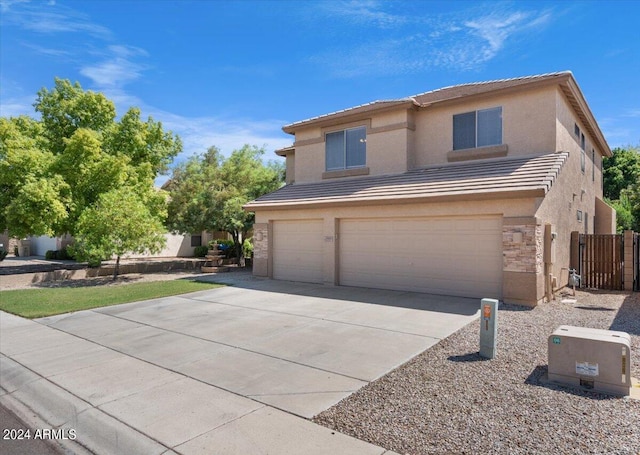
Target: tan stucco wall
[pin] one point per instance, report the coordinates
(388, 145)
(434, 126)
(290, 168)
(387, 152)
(567, 141)
(177, 246)
(605, 218)
(560, 207)
(528, 278)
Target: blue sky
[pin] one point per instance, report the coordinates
(229, 73)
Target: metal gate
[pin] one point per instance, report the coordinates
(602, 261)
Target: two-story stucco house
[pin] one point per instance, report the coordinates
(470, 190)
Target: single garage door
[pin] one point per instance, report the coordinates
(450, 256)
(297, 250)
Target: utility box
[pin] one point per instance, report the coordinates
(594, 359)
(488, 328)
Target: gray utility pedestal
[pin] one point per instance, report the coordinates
(594, 359)
(488, 328)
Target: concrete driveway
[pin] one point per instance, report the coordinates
(232, 368)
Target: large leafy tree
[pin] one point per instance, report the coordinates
(621, 175)
(207, 192)
(118, 223)
(53, 169)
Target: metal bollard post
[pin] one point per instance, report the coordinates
(488, 328)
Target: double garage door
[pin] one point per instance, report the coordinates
(451, 256)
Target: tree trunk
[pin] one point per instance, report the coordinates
(116, 269)
(236, 240)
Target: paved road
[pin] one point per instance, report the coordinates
(9, 421)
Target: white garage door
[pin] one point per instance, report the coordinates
(450, 256)
(297, 250)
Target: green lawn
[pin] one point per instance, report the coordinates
(36, 303)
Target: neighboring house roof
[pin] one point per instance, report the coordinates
(455, 93)
(511, 177)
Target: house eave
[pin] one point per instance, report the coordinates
(468, 197)
(349, 114)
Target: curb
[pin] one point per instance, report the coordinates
(42, 404)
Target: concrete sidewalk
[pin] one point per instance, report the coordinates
(223, 371)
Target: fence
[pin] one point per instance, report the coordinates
(610, 261)
(601, 259)
(636, 262)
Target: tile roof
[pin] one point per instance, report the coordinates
(439, 95)
(476, 88)
(521, 176)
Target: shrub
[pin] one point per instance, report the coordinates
(93, 262)
(200, 251)
(64, 254)
(247, 247)
(3, 254)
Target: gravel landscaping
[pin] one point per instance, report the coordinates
(450, 400)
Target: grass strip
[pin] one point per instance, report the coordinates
(37, 303)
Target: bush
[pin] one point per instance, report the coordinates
(93, 262)
(63, 254)
(3, 254)
(200, 251)
(247, 247)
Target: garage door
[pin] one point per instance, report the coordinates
(450, 256)
(297, 250)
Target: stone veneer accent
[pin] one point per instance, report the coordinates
(261, 247)
(525, 256)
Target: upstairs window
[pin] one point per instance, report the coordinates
(477, 129)
(346, 149)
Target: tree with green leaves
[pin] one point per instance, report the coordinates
(621, 175)
(119, 222)
(207, 192)
(55, 169)
(620, 171)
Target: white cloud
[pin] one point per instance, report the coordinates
(15, 106)
(496, 29)
(200, 133)
(421, 42)
(5, 5)
(365, 12)
(117, 69)
(228, 134)
(632, 113)
(47, 50)
(50, 19)
(116, 65)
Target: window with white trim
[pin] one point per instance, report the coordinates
(477, 128)
(346, 149)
